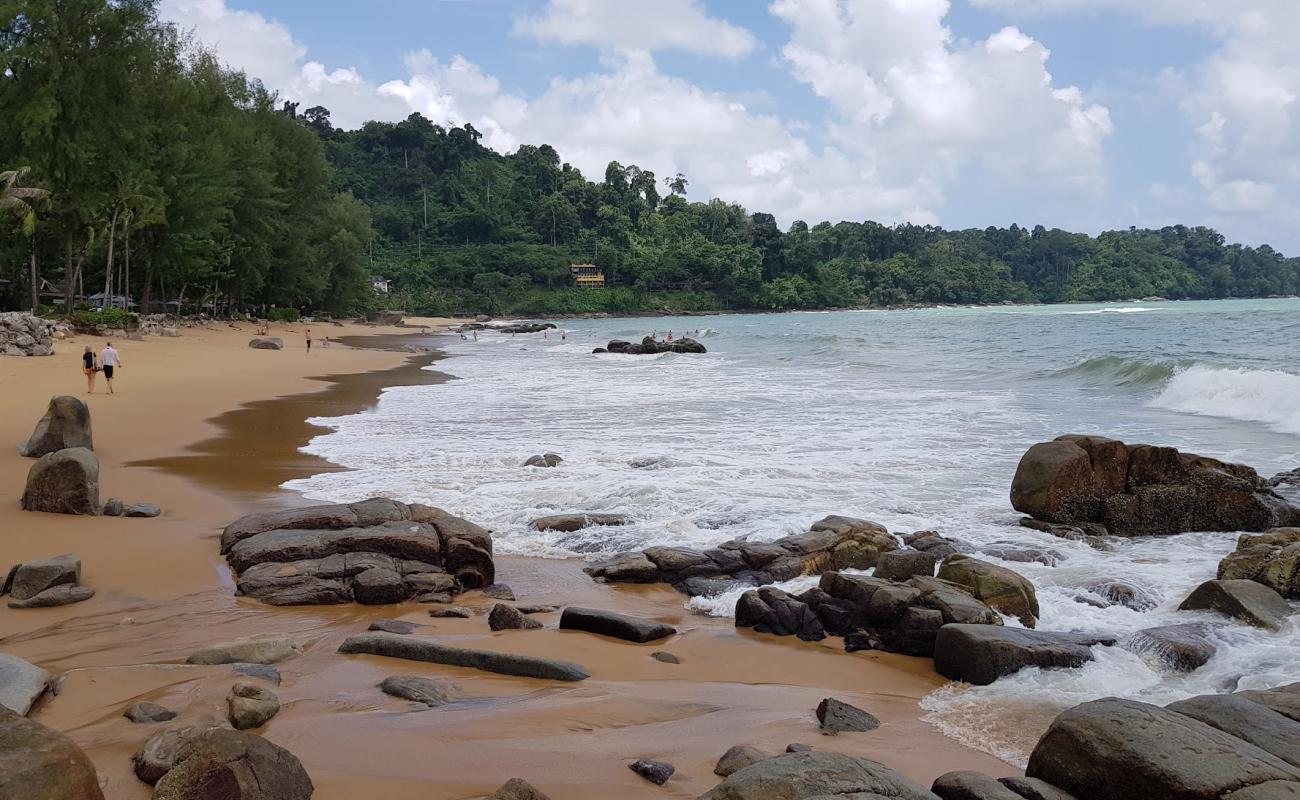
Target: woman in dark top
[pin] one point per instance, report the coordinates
(88, 367)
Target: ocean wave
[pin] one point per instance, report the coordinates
(1124, 372)
(1251, 395)
(1115, 310)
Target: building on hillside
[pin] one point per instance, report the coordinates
(381, 284)
(587, 275)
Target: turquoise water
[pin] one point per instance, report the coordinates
(915, 419)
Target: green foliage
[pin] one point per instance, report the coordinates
(85, 319)
(283, 315)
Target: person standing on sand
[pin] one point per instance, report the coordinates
(109, 361)
(88, 367)
(309, 340)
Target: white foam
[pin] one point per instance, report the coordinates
(1268, 396)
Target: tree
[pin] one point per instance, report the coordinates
(677, 184)
(22, 203)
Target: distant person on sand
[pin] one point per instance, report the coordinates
(88, 367)
(109, 361)
(309, 340)
(476, 336)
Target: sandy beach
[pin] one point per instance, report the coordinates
(207, 429)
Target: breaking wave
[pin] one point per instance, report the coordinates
(1252, 395)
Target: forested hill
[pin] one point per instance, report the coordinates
(459, 226)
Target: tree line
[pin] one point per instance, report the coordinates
(155, 172)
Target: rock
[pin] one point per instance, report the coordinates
(503, 617)
(453, 612)
(998, 587)
(796, 747)
(1272, 559)
(148, 712)
(737, 758)
(1251, 602)
(1269, 790)
(657, 772)
(379, 586)
(233, 765)
(899, 565)
(1115, 749)
(269, 648)
(816, 776)
(1285, 700)
(1248, 721)
(667, 658)
(544, 460)
(406, 540)
(419, 690)
(980, 654)
(158, 753)
(770, 610)
(113, 508)
(419, 649)
(1137, 490)
(1123, 594)
(624, 568)
(536, 609)
(143, 510)
(931, 542)
(843, 526)
(37, 763)
(264, 672)
(517, 789)
(1034, 789)
(836, 716)
(399, 626)
(1181, 648)
(64, 482)
(267, 343)
(1009, 551)
(443, 598)
(20, 683)
(527, 327)
(567, 523)
(971, 786)
(33, 577)
(251, 706)
(619, 626)
(499, 591)
(66, 424)
(63, 595)
(24, 334)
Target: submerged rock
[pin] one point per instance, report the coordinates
(568, 523)
(62, 595)
(145, 711)
(268, 648)
(418, 690)
(980, 654)
(33, 577)
(1180, 648)
(66, 424)
(544, 460)
(503, 617)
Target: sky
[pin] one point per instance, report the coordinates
(1087, 115)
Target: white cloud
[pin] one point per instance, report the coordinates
(637, 25)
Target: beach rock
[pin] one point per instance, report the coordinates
(37, 763)
(306, 591)
(251, 706)
(657, 772)
(1034, 789)
(1093, 534)
(113, 508)
(537, 608)
(770, 610)
(737, 758)
(796, 747)
(517, 789)
(1010, 551)
(419, 649)
(567, 523)
(264, 672)
(527, 327)
(233, 765)
(1119, 593)
(932, 542)
(454, 612)
(1252, 603)
(399, 626)
(503, 617)
(667, 658)
(835, 716)
(142, 510)
(1114, 749)
(1272, 558)
(64, 595)
(21, 683)
(407, 540)
(1269, 790)
(624, 568)
(899, 565)
(158, 753)
(267, 343)
(443, 598)
(619, 626)
(544, 460)
(419, 690)
(379, 586)
(816, 776)
(971, 786)
(1180, 648)
(24, 334)
(1285, 700)
(270, 648)
(1248, 721)
(66, 424)
(145, 711)
(1137, 490)
(980, 654)
(64, 482)
(999, 587)
(33, 577)
(499, 591)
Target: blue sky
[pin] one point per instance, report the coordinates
(1146, 112)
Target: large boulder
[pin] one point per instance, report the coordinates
(66, 424)
(158, 753)
(233, 765)
(64, 482)
(1271, 558)
(1252, 603)
(836, 716)
(21, 683)
(619, 626)
(1248, 721)
(37, 763)
(999, 587)
(816, 776)
(1114, 749)
(266, 343)
(980, 654)
(1136, 490)
(415, 648)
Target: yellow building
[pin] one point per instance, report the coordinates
(588, 275)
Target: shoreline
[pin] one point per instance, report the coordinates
(164, 591)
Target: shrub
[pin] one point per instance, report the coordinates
(109, 318)
(284, 315)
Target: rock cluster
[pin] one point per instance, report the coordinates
(526, 327)
(374, 552)
(650, 346)
(22, 334)
(1141, 490)
(1271, 558)
(66, 424)
(45, 583)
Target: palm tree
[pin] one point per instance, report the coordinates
(23, 202)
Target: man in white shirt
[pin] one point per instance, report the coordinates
(109, 360)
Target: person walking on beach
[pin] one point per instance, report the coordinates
(88, 367)
(309, 340)
(109, 361)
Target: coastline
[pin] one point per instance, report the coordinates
(163, 591)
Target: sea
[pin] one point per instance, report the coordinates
(915, 419)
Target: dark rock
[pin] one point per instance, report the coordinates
(142, 510)
(980, 654)
(971, 786)
(419, 649)
(536, 609)
(1248, 721)
(1034, 789)
(20, 683)
(503, 617)
(527, 327)
(378, 586)
(567, 523)
(737, 758)
(454, 612)
(33, 577)
(1269, 790)
(401, 540)
(667, 658)
(1123, 594)
(1272, 558)
(624, 568)
(999, 587)
(62, 595)
(251, 706)
(544, 460)
(37, 763)
(419, 690)
(657, 772)
(931, 542)
(442, 598)
(267, 343)
(64, 482)
(796, 747)
(1115, 749)
(1252, 603)
(517, 789)
(1009, 551)
(499, 591)
(398, 626)
(233, 765)
(113, 508)
(1181, 648)
(770, 610)
(619, 626)
(835, 716)
(899, 565)
(264, 672)
(66, 424)
(954, 602)
(816, 776)
(158, 753)
(148, 712)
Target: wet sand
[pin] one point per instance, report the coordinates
(195, 429)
